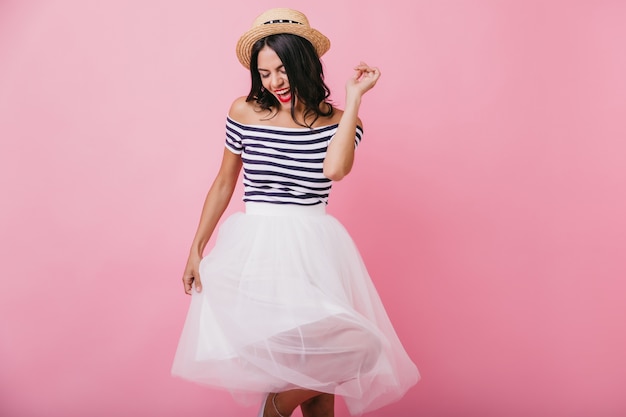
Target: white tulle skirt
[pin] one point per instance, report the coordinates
(287, 303)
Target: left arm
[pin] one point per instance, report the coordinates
(340, 154)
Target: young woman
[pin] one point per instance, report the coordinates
(283, 307)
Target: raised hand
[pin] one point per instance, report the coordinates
(363, 80)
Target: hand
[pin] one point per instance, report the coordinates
(191, 276)
(365, 77)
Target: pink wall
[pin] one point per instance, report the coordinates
(488, 198)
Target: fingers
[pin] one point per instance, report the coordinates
(190, 280)
(187, 284)
(364, 79)
(363, 68)
(198, 283)
(364, 72)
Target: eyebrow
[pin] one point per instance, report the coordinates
(263, 69)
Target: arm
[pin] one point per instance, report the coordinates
(216, 201)
(340, 153)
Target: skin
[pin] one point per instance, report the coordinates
(322, 405)
(337, 164)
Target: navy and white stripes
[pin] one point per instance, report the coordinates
(283, 165)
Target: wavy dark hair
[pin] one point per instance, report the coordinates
(304, 72)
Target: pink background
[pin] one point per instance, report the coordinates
(488, 198)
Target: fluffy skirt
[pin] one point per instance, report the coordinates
(287, 303)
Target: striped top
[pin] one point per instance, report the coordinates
(283, 165)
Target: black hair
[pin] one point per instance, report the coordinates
(304, 72)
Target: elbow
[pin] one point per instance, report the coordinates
(335, 169)
(336, 174)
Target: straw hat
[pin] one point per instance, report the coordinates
(280, 20)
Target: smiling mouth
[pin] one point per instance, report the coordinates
(284, 96)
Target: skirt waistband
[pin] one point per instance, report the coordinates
(270, 209)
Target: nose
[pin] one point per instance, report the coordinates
(276, 81)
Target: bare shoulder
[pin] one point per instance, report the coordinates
(242, 111)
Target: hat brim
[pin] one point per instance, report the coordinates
(244, 46)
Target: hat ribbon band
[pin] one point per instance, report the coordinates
(269, 22)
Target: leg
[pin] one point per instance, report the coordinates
(322, 405)
(336, 352)
(283, 403)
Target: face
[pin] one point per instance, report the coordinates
(274, 76)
